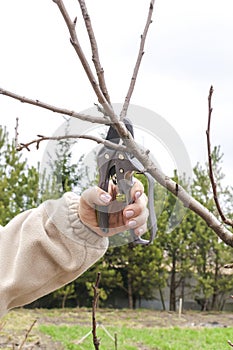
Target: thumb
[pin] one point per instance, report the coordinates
(96, 196)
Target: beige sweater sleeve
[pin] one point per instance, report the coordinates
(43, 249)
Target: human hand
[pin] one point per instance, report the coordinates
(133, 216)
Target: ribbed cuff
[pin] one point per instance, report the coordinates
(64, 214)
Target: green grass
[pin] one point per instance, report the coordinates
(147, 338)
(136, 329)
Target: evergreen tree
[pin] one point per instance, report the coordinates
(64, 176)
(175, 244)
(19, 183)
(210, 253)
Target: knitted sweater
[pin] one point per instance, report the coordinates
(43, 249)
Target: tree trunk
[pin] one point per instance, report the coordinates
(130, 292)
(215, 292)
(63, 304)
(162, 299)
(172, 303)
(182, 288)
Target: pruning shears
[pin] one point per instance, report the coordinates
(119, 167)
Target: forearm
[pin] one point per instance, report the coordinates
(43, 249)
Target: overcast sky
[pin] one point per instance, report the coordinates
(188, 48)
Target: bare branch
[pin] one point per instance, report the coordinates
(138, 62)
(94, 48)
(74, 41)
(96, 341)
(41, 138)
(26, 335)
(143, 156)
(120, 127)
(188, 201)
(55, 109)
(230, 343)
(16, 131)
(211, 174)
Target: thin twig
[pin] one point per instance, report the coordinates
(2, 325)
(230, 343)
(16, 132)
(138, 62)
(26, 335)
(96, 139)
(55, 109)
(75, 42)
(120, 127)
(94, 48)
(96, 341)
(115, 340)
(223, 233)
(211, 174)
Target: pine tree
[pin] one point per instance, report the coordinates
(210, 253)
(19, 182)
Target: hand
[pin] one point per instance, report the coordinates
(133, 216)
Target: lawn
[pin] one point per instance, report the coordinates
(132, 339)
(140, 329)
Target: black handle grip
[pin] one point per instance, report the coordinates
(102, 218)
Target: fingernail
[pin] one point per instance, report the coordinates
(137, 194)
(105, 197)
(140, 232)
(129, 214)
(132, 223)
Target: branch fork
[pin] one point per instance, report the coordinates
(109, 117)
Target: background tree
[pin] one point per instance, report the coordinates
(63, 174)
(210, 253)
(175, 245)
(19, 182)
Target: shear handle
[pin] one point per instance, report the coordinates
(152, 221)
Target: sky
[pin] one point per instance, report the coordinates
(188, 49)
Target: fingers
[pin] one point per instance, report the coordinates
(87, 207)
(95, 196)
(134, 216)
(137, 189)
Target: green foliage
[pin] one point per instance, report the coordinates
(189, 250)
(19, 183)
(64, 177)
(209, 253)
(63, 174)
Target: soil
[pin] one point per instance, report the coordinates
(15, 332)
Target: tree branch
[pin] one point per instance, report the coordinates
(92, 119)
(26, 335)
(120, 127)
(96, 341)
(98, 140)
(138, 62)
(211, 174)
(16, 132)
(180, 193)
(74, 41)
(132, 147)
(94, 48)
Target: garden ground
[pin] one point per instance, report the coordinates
(14, 327)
